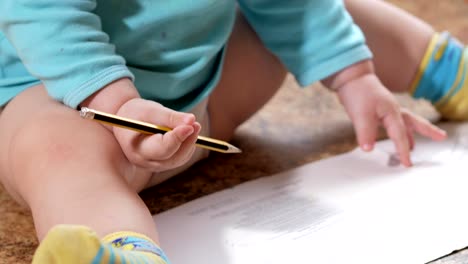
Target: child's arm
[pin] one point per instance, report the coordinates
(61, 43)
(317, 39)
(369, 105)
(313, 38)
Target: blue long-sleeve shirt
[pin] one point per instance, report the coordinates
(172, 49)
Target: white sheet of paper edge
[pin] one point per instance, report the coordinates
(352, 208)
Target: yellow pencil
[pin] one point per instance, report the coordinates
(147, 128)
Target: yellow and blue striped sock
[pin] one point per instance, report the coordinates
(442, 77)
(73, 244)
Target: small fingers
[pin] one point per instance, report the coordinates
(409, 131)
(162, 147)
(147, 151)
(155, 113)
(410, 136)
(185, 151)
(366, 131)
(397, 132)
(423, 126)
(180, 157)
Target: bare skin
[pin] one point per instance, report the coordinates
(398, 41)
(74, 172)
(388, 28)
(98, 171)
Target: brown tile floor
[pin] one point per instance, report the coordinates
(262, 138)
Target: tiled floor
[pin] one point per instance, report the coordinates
(265, 148)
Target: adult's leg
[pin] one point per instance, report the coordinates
(250, 77)
(68, 170)
(398, 40)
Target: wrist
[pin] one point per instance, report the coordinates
(110, 98)
(355, 71)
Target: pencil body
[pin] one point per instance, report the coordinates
(147, 128)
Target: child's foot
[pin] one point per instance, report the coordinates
(79, 245)
(443, 77)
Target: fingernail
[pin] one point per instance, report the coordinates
(409, 164)
(197, 127)
(367, 147)
(188, 132)
(189, 119)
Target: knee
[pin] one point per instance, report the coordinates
(29, 150)
(40, 143)
(56, 141)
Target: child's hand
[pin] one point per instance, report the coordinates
(157, 152)
(369, 104)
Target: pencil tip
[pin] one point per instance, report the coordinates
(233, 149)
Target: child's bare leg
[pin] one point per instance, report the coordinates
(410, 56)
(251, 76)
(397, 39)
(68, 170)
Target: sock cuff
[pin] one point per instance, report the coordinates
(439, 69)
(454, 105)
(110, 238)
(424, 62)
(134, 241)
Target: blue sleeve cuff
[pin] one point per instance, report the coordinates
(313, 39)
(95, 83)
(326, 68)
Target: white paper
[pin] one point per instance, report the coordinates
(353, 208)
